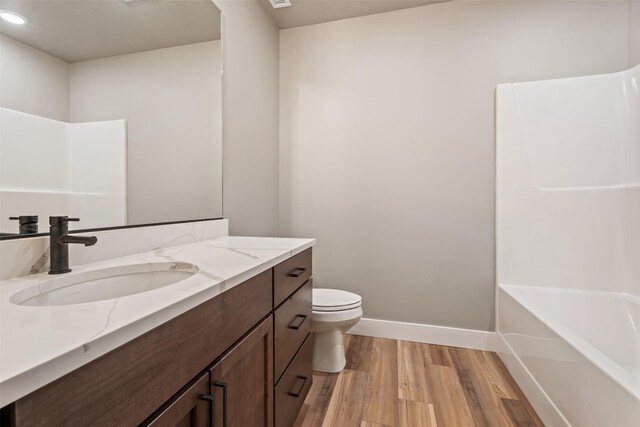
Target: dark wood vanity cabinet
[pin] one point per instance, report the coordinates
(294, 385)
(289, 275)
(192, 407)
(211, 366)
(242, 381)
(293, 340)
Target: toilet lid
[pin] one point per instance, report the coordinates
(335, 300)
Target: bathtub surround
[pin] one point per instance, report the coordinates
(387, 143)
(21, 257)
(568, 191)
(73, 169)
(568, 245)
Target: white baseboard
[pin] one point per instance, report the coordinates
(430, 334)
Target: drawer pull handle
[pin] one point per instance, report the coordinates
(297, 393)
(297, 326)
(209, 398)
(223, 385)
(297, 272)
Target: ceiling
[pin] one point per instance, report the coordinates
(308, 12)
(79, 30)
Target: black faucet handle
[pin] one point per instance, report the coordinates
(61, 221)
(25, 219)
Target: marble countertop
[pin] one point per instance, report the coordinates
(40, 344)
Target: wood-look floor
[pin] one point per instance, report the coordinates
(389, 383)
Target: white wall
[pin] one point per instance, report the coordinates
(250, 111)
(634, 33)
(171, 100)
(32, 81)
(387, 142)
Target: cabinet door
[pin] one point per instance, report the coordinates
(242, 381)
(192, 407)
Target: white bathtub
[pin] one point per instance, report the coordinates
(577, 368)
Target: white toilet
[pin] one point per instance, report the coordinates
(334, 313)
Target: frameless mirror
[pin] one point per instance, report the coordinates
(110, 111)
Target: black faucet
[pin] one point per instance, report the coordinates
(59, 243)
(28, 223)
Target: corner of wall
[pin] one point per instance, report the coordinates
(633, 41)
(250, 50)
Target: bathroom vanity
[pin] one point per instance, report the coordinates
(229, 346)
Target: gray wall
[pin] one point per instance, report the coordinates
(171, 99)
(32, 81)
(387, 142)
(634, 33)
(250, 114)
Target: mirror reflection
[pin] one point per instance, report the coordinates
(110, 111)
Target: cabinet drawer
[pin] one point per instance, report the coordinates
(289, 275)
(292, 325)
(294, 385)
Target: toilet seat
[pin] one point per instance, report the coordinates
(334, 300)
(336, 317)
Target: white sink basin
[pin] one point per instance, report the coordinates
(108, 283)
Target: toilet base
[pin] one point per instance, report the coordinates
(328, 351)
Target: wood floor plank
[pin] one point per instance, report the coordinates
(370, 424)
(358, 352)
(302, 415)
(414, 414)
(470, 393)
(412, 372)
(492, 371)
(347, 402)
(440, 355)
(487, 408)
(381, 400)
(519, 415)
(449, 402)
(434, 385)
(318, 399)
(521, 397)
